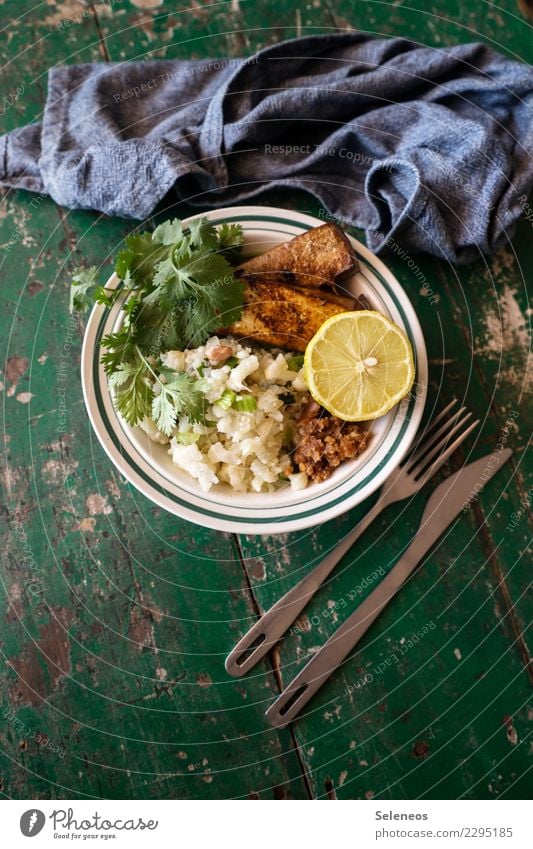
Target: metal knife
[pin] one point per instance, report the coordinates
(451, 496)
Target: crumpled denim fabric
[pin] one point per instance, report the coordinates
(429, 147)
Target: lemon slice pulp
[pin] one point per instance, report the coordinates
(359, 365)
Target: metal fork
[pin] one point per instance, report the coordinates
(432, 449)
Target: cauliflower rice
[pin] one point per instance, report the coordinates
(249, 450)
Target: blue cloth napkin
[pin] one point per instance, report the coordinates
(428, 148)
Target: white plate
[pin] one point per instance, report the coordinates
(148, 466)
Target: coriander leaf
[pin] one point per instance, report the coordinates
(85, 291)
(128, 280)
(206, 269)
(133, 391)
(168, 233)
(159, 330)
(203, 234)
(120, 348)
(122, 374)
(187, 396)
(229, 236)
(181, 397)
(178, 279)
(175, 277)
(83, 281)
(214, 305)
(171, 334)
(184, 290)
(131, 306)
(139, 258)
(164, 413)
(107, 297)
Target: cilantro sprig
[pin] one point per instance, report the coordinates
(182, 289)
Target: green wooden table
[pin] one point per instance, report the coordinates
(116, 617)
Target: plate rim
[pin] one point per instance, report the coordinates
(149, 487)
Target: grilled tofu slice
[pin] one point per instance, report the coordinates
(317, 258)
(276, 278)
(281, 315)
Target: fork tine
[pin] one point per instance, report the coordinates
(444, 456)
(429, 443)
(417, 468)
(429, 429)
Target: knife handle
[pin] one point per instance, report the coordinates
(444, 504)
(289, 704)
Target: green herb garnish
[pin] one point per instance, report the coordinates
(295, 363)
(227, 399)
(246, 404)
(187, 438)
(182, 290)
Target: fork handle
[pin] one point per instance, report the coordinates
(273, 624)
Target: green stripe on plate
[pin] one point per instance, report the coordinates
(201, 510)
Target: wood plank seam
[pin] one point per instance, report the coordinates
(305, 771)
(488, 544)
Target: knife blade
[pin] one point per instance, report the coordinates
(454, 494)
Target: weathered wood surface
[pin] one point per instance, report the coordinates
(117, 617)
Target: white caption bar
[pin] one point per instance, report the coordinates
(357, 824)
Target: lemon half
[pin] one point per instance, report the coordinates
(359, 365)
